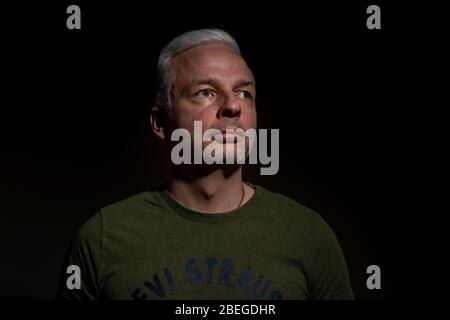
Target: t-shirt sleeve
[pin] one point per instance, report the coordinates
(328, 275)
(85, 252)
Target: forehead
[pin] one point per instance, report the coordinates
(211, 61)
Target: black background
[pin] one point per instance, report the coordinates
(75, 132)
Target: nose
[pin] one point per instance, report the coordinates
(230, 106)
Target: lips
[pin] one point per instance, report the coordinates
(231, 130)
(231, 136)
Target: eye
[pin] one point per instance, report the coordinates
(205, 93)
(245, 94)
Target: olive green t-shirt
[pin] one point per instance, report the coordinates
(150, 247)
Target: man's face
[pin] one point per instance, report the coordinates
(214, 85)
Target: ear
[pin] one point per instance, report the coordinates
(158, 122)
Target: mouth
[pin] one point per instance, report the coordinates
(229, 129)
(230, 135)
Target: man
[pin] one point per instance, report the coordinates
(206, 234)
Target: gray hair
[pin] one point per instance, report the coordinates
(178, 45)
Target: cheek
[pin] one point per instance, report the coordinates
(207, 116)
(249, 119)
(186, 119)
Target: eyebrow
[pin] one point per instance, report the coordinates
(214, 82)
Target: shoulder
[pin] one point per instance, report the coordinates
(129, 211)
(301, 226)
(146, 204)
(142, 200)
(285, 210)
(285, 205)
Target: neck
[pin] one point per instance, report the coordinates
(207, 189)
